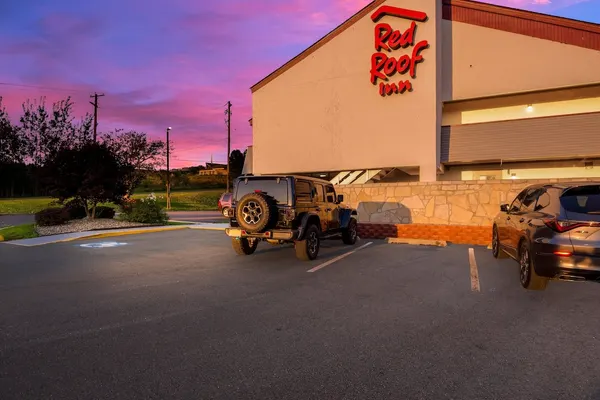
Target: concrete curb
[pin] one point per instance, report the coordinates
(133, 231)
(417, 242)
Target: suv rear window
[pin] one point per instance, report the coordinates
(582, 200)
(278, 191)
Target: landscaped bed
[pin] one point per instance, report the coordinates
(83, 225)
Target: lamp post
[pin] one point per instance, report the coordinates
(168, 172)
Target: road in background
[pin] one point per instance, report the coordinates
(197, 216)
(176, 315)
(11, 220)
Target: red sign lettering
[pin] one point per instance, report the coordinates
(384, 67)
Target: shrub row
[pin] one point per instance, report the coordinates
(70, 211)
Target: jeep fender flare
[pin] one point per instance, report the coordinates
(346, 215)
(308, 218)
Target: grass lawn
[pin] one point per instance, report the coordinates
(193, 200)
(26, 231)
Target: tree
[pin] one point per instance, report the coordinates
(90, 175)
(12, 145)
(236, 163)
(48, 133)
(13, 173)
(138, 151)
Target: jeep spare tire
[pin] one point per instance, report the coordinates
(254, 212)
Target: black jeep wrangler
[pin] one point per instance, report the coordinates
(282, 209)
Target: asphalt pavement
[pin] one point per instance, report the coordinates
(177, 315)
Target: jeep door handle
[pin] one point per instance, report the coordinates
(328, 209)
(318, 209)
(522, 219)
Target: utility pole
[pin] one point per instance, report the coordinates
(168, 173)
(95, 104)
(228, 122)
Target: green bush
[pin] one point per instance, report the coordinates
(145, 211)
(52, 216)
(105, 212)
(75, 209)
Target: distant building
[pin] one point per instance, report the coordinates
(214, 169)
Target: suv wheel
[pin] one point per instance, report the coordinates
(308, 249)
(529, 279)
(497, 252)
(350, 234)
(244, 246)
(253, 212)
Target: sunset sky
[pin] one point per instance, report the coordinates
(173, 63)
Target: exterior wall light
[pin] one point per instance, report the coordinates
(529, 108)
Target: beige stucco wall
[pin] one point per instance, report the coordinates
(480, 62)
(329, 117)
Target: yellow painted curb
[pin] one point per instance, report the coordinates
(133, 232)
(417, 242)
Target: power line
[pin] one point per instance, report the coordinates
(40, 87)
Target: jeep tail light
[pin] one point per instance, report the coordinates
(289, 214)
(561, 226)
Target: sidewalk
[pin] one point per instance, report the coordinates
(39, 241)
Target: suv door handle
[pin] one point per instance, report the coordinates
(328, 209)
(522, 219)
(318, 209)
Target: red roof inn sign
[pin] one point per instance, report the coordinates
(384, 66)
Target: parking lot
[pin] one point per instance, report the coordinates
(179, 315)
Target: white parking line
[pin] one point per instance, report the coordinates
(474, 273)
(338, 258)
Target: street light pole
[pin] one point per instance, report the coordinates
(228, 121)
(168, 173)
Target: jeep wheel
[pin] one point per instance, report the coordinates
(254, 212)
(308, 249)
(244, 246)
(350, 234)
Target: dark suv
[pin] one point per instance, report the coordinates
(553, 231)
(288, 209)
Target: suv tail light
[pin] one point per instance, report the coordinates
(561, 226)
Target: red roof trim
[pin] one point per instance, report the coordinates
(541, 26)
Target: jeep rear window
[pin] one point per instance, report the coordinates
(270, 187)
(582, 200)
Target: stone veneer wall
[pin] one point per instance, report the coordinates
(457, 211)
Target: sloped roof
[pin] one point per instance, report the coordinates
(542, 26)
